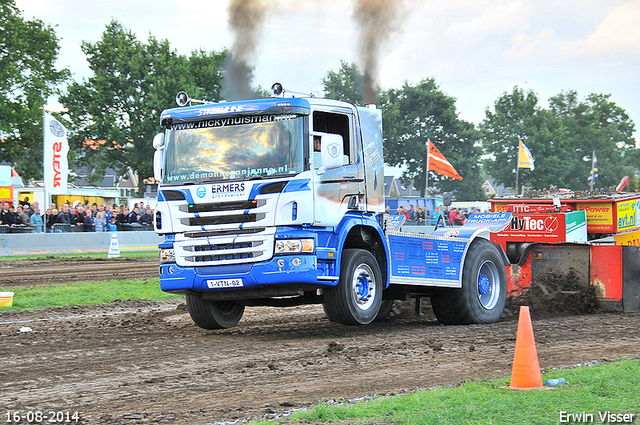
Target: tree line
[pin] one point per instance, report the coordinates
(117, 110)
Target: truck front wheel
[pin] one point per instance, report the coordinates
(213, 314)
(484, 289)
(357, 297)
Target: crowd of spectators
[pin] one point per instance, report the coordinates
(451, 216)
(27, 217)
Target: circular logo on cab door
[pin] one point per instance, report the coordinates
(333, 149)
(201, 192)
(451, 233)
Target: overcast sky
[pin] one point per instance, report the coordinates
(475, 49)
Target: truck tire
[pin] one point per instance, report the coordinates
(484, 289)
(385, 309)
(213, 314)
(357, 297)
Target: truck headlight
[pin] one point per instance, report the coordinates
(167, 255)
(294, 246)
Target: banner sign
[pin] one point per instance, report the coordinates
(56, 164)
(416, 259)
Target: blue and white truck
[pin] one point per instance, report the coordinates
(280, 202)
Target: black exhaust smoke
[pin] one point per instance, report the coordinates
(245, 21)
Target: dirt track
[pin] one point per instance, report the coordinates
(145, 362)
(54, 270)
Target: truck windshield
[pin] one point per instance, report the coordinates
(236, 148)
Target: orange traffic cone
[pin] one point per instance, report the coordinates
(525, 373)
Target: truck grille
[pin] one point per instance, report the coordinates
(217, 233)
(225, 252)
(223, 219)
(232, 249)
(224, 206)
(204, 234)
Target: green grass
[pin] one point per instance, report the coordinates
(610, 387)
(130, 254)
(85, 293)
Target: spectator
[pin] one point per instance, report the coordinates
(77, 217)
(405, 211)
(25, 219)
(146, 217)
(64, 217)
(108, 213)
(88, 223)
(415, 215)
(25, 201)
(101, 222)
(122, 214)
(33, 207)
(420, 217)
(36, 219)
(49, 219)
(14, 217)
(111, 225)
(94, 210)
(454, 217)
(134, 216)
(5, 217)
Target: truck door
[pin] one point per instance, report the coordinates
(334, 187)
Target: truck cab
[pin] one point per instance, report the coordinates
(259, 198)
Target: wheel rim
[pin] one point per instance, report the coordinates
(363, 286)
(488, 285)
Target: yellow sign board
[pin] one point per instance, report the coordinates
(627, 215)
(6, 193)
(629, 238)
(599, 216)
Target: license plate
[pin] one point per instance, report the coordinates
(224, 283)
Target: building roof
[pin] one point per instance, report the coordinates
(491, 188)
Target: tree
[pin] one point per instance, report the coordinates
(561, 139)
(596, 124)
(28, 77)
(516, 117)
(413, 115)
(347, 84)
(118, 108)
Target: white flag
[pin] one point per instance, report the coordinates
(56, 164)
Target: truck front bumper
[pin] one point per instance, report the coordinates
(287, 270)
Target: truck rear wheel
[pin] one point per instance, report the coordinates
(357, 297)
(484, 289)
(213, 314)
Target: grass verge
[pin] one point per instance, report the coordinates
(590, 394)
(85, 293)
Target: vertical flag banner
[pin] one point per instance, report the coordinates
(594, 169)
(525, 160)
(56, 164)
(439, 164)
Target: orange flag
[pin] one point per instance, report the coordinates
(439, 164)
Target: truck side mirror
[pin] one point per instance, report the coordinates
(158, 144)
(332, 151)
